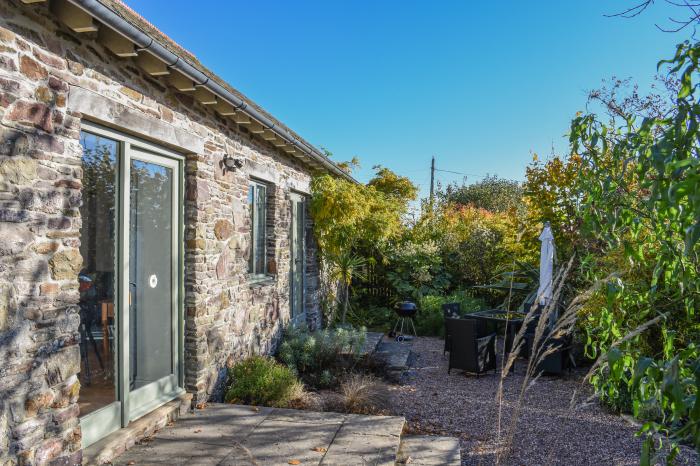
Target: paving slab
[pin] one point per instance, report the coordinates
(116, 443)
(239, 456)
(173, 452)
(354, 448)
(218, 424)
(397, 357)
(228, 435)
(427, 450)
(312, 417)
(374, 425)
(371, 343)
(371, 440)
(395, 354)
(281, 441)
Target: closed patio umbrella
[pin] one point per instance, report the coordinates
(547, 252)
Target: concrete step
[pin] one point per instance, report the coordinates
(224, 434)
(368, 440)
(396, 356)
(371, 343)
(429, 450)
(116, 443)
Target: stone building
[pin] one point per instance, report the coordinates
(153, 228)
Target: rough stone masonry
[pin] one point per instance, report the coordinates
(50, 80)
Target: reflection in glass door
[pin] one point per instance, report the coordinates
(97, 285)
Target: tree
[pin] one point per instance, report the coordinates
(690, 14)
(353, 223)
(492, 193)
(639, 187)
(550, 194)
(393, 185)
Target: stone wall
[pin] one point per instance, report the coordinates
(226, 316)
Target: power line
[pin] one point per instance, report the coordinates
(460, 173)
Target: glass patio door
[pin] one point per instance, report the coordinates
(298, 263)
(131, 285)
(153, 293)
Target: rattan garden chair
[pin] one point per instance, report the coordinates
(450, 311)
(470, 349)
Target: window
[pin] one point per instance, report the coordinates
(257, 200)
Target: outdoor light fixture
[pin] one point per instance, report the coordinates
(230, 163)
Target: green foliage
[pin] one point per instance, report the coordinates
(449, 247)
(430, 318)
(395, 186)
(639, 186)
(416, 269)
(353, 224)
(491, 193)
(322, 357)
(259, 380)
(344, 269)
(428, 321)
(520, 285)
(375, 317)
(453, 246)
(369, 216)
(551, 194)
(475, 244)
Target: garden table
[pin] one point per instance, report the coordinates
(499, 317)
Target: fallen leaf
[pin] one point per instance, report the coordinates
(131, 462)
(293, 462)
(197, 431)
(201, 405)
(320, 449)
(255, 408)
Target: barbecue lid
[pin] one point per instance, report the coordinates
(406, 306)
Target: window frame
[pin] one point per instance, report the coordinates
(254, 186)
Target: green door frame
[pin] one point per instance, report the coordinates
(298, 207)
(118, 414)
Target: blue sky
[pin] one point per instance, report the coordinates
(479, 85)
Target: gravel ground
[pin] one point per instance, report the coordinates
(547, 430)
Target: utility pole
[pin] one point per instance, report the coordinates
(432, 180)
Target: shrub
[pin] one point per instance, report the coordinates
(491, 193)
(377, 318)
(416, 268)
(259, 380)
(320, 357)
(430, 321)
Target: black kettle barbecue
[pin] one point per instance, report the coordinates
(404, 310)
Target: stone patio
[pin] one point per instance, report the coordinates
(227, 435)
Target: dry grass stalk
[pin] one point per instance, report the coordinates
(300, 398)
(538, 354)
(364, 394)
(540, 350)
